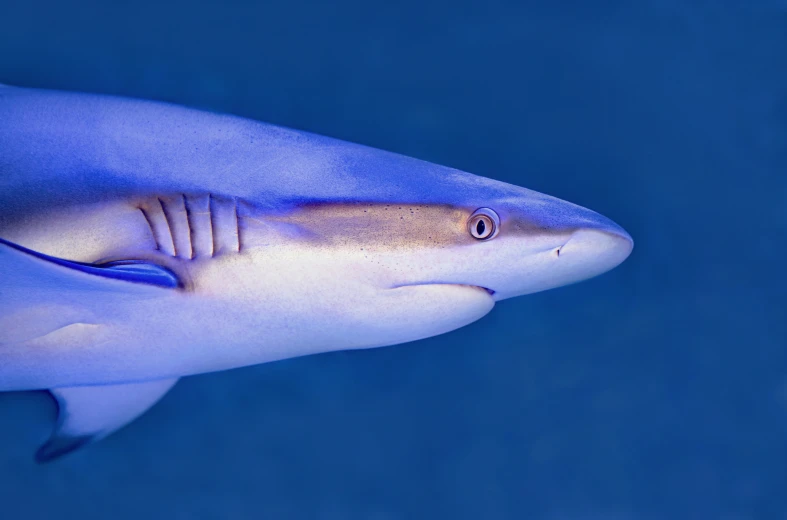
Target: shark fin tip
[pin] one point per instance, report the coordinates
(60, 445)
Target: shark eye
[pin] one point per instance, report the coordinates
(483, 224)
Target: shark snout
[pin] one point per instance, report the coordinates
(547, 243)
(593, 251)
(610, 245)
(594, 243)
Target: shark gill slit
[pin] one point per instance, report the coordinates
(237, 225)
(213, 230)
(154, 215)
(190, 225)
(200, 222)
(167, 219)
(178, 222)
(183, 232)
(150, 226)
(223, 224)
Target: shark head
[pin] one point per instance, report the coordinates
(405, 268)
(510, 247)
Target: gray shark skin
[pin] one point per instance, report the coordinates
(141, 242)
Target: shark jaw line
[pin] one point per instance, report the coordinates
(488, 291)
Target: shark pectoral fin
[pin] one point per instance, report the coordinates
(23, 263)
(89, 413)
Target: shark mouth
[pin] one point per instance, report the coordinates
(490, 292)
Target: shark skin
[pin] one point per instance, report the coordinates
(141, 242)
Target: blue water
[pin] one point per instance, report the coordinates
(657, 391)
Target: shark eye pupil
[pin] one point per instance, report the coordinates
(483, 224)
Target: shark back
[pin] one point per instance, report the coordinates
(60, 148)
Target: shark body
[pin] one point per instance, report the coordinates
(141, 242)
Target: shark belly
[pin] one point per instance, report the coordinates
(98, 338)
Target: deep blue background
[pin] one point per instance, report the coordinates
(657, 391)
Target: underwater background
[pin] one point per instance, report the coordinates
(656, 391)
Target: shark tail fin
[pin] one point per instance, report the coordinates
(89, 413)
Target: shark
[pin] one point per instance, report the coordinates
(142, 242)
